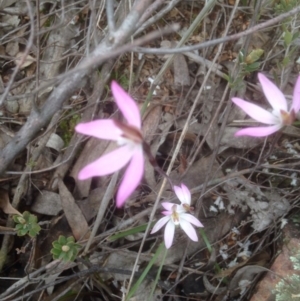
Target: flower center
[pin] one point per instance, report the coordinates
(287, 118)
(130, 132)
(187, 207)
(65, 248)
(175, 215)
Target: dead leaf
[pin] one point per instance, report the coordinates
(47, 202)
(116, 260)
(164, 129)
(9, 22)
(93, 149)
(7, 3)
(6, 135)
(197, 173)
(265, 206)
(12, 48)
(55, 142)
(181, 71)
(229, 140)
(151, 122)
(150, 128)
(5, 204)
(51, 277)
(76, 220)
(28, 60)
(90, 205)
(144, 292)
(291, 131)
(243, 277)
(260, 259)
(180, 66)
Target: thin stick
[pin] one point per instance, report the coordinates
(25, 54)
(220, 40)
(177, 149)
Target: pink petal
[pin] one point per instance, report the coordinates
(182, 209)
(107, 164)
(296, 96)
(191, 219)
(255, 111)
(102, 129)
(258, 131)
(169, 234)
(160, 223)
(132, 176)
(127, 105)
(179, 193)
(186, 193)
(274, 96)
(189, 230)
(168, 206)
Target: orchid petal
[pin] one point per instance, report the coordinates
(296, 97)
(160, 223)
(186, 193)
(168, 206)
(189, 230)
(127, 105)
(191, 219)
(132, 176)
(256, 112)
(182, 209)
(169, 234)
(180, 194)
(258, 131)
(102, 129)
(107, 164)
(274, 96)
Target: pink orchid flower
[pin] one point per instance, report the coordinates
(127, 135)
(176, 215)
(184, 196)
(280, 115)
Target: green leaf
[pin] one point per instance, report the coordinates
(65, 248)
(19, 226)
(56, 245)
(131, 231)
(241, 56)
(62, 240)
(55, 252)
(27, 224)
(285, 61)
(70, 239)
(145, 272)
(288, 38)
(253, 67)
(296, 35)
(254, 56)
(22, 232)
(226, 77)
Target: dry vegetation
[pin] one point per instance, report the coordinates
(182, 61)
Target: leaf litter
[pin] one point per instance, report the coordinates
(252, 183)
